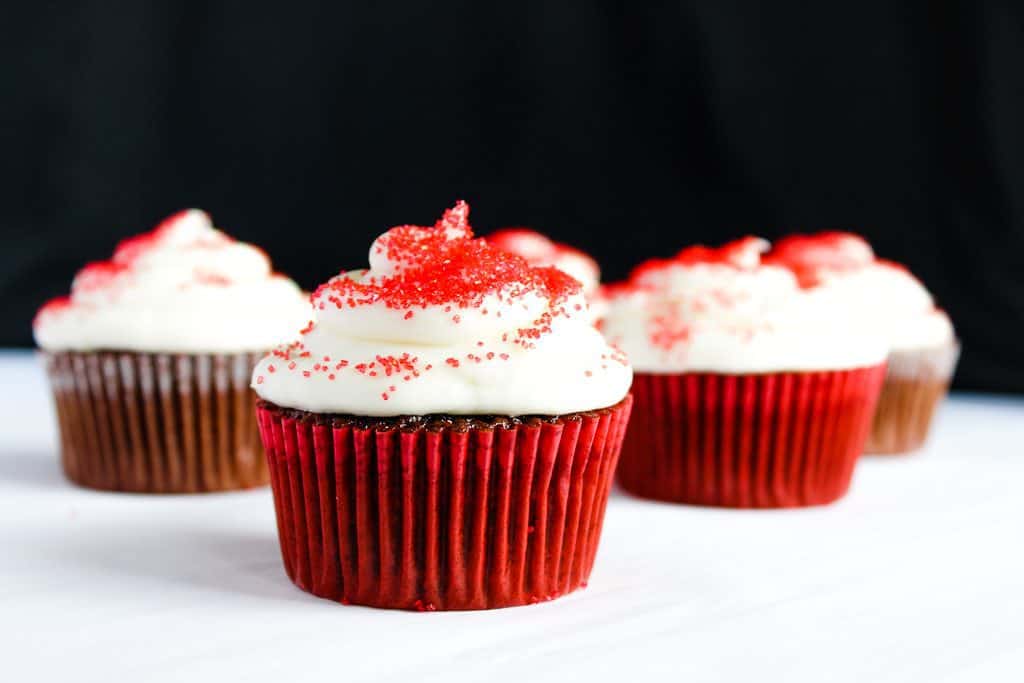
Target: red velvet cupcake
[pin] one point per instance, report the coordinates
(444, 436)
(747, 392)
(149, 359)
(923, 350)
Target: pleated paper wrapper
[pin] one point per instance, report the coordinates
(915, 385)
(157, 423)
(440, 517)
(748, 441)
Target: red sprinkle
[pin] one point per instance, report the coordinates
(445, 266)
(809, 255)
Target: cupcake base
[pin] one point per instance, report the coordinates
(442, 512)
(157, 423)
(748, 441)
(915, 385)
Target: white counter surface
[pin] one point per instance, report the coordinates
(917, 575)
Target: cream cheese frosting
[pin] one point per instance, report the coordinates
(723, 310)
(841, 269)
(443, 322)
(539, 250)
(184, 287)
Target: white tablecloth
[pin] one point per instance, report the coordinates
(917, 575)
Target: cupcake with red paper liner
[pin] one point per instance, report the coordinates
(149, 360)
(841, 268)
(747, 392)
(444, 436)
(539, 250)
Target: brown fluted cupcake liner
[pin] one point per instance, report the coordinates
(157, 423)
(748, 441)
(440, 513)
(914, 387)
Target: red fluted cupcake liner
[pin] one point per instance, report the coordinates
(759, 440)
(915, 385)
(440, 514)
(157, 423)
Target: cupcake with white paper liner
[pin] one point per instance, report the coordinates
(923, 348)
(444, 436)
(747, 392)
(149, 359)
(539, 250)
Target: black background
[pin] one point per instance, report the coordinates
(628, 128)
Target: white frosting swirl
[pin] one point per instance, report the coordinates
(721, 310)
(185, 287)
(444, 323)
(841, 270)
(538, 250)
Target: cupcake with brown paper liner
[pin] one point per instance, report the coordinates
(444, 436)
(747, 393)
(149, 359)
(923, 348)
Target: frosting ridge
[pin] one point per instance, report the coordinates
(539, 250)
(842, 270)
(443, 322)
(724, 310)
(183, 287)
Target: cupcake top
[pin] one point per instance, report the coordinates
(723, 310)
(445, 323)
(184, 287)
(841, 268)
(538, 250)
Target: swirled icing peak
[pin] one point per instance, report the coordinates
(443, 322)
(723, 310)
(539, 250)
(809, 256)
(841, 269)
(183, 287)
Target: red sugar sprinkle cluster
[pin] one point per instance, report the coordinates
(665, 332)
(446, 266)
(733, 254)
(807, 256)
(533, 246)
(129, 250)
(406, 366)
(100, 275)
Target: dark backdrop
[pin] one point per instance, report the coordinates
(628, 128)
